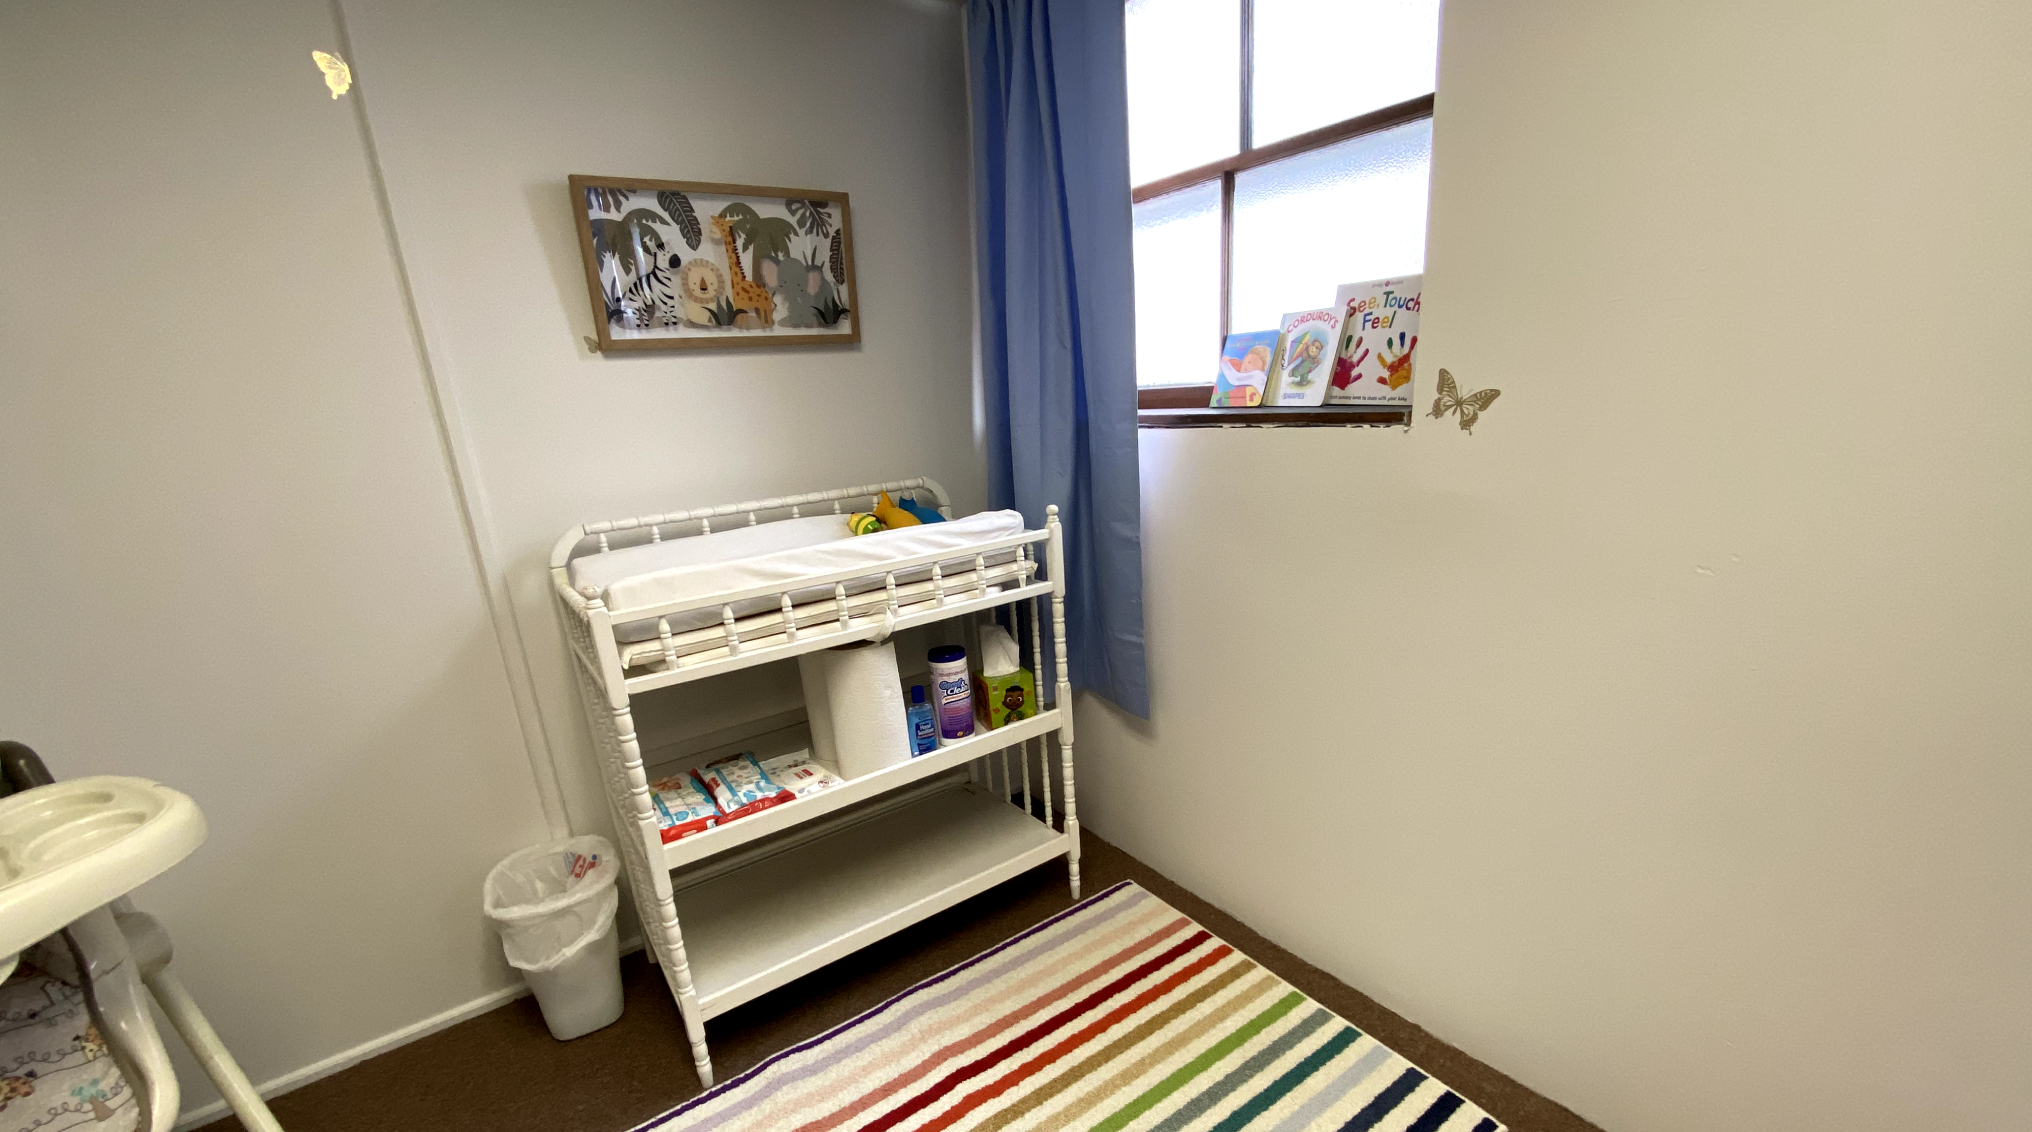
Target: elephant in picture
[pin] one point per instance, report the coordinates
(794, 281)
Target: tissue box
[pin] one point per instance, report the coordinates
(1002, 700)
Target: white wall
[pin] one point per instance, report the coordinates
(222, 469)
(232, 559)
(482, 109)
(1664, 742)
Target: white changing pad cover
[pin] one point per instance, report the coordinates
(592, 574)
(767, 558)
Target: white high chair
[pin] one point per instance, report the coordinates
(69, 854)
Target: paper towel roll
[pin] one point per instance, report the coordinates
(854, 698)
(818, 710)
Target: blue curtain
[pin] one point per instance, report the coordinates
(1058, 312)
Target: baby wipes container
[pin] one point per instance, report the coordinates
(952, 693)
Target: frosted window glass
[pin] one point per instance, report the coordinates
(1322, 61)
(1313, 221)
(1185, 84)
(1178, 287)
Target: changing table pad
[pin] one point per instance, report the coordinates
(749, 557)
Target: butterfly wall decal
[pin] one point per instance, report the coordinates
(338, 76)
(1469, 405)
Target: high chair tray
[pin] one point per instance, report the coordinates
(75, 845)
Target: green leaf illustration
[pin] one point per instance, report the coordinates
(830, 312)
(768, 237)
(606, 200)
(679, 207)
(633, 233)
(811, 217)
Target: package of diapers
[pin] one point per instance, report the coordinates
(797, 773)
(682, 809)
(739, 786)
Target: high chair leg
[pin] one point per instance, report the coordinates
(151, 948)
(211, 1052)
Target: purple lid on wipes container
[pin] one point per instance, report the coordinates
(952, 692)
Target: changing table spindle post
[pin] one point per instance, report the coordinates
(641, 852)
(1023, 761)
(1027, 566)
(1037, 678)
(676, 963)
(623, 644)
(1062, 697)
(1023, 750)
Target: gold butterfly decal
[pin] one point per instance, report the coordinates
(1468, 405)
(338, 76)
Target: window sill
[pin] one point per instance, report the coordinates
(1323, 416)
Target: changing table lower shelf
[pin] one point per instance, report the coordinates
(756, 928)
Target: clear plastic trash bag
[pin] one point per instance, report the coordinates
(551, 901)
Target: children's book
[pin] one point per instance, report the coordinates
(1302, 372)
(1246, 363)
(1379, 331)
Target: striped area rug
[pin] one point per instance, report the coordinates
(1118, 1015)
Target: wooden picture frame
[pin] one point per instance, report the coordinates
(639, 238)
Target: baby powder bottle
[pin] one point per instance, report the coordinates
(923, 723)
(952, 693)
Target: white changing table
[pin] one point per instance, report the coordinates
(769, 897)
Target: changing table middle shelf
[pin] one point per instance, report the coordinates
(720, 839)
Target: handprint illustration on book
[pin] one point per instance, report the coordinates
(1347, 367)
(1397, 370)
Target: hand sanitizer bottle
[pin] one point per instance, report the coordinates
(923, 723)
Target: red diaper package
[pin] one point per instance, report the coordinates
(682, 809)
(739, 786)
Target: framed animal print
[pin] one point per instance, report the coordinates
(692, 264)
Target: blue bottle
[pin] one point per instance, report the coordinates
(923, 723)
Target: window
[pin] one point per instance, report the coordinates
(1278, 149)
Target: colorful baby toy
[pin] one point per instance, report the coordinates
(893, 516)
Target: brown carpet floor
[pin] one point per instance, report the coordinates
(502, 1072)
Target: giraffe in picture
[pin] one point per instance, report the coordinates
(748, 294)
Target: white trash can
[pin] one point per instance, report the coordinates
(554, 905)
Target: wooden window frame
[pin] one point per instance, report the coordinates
(1160, 405)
